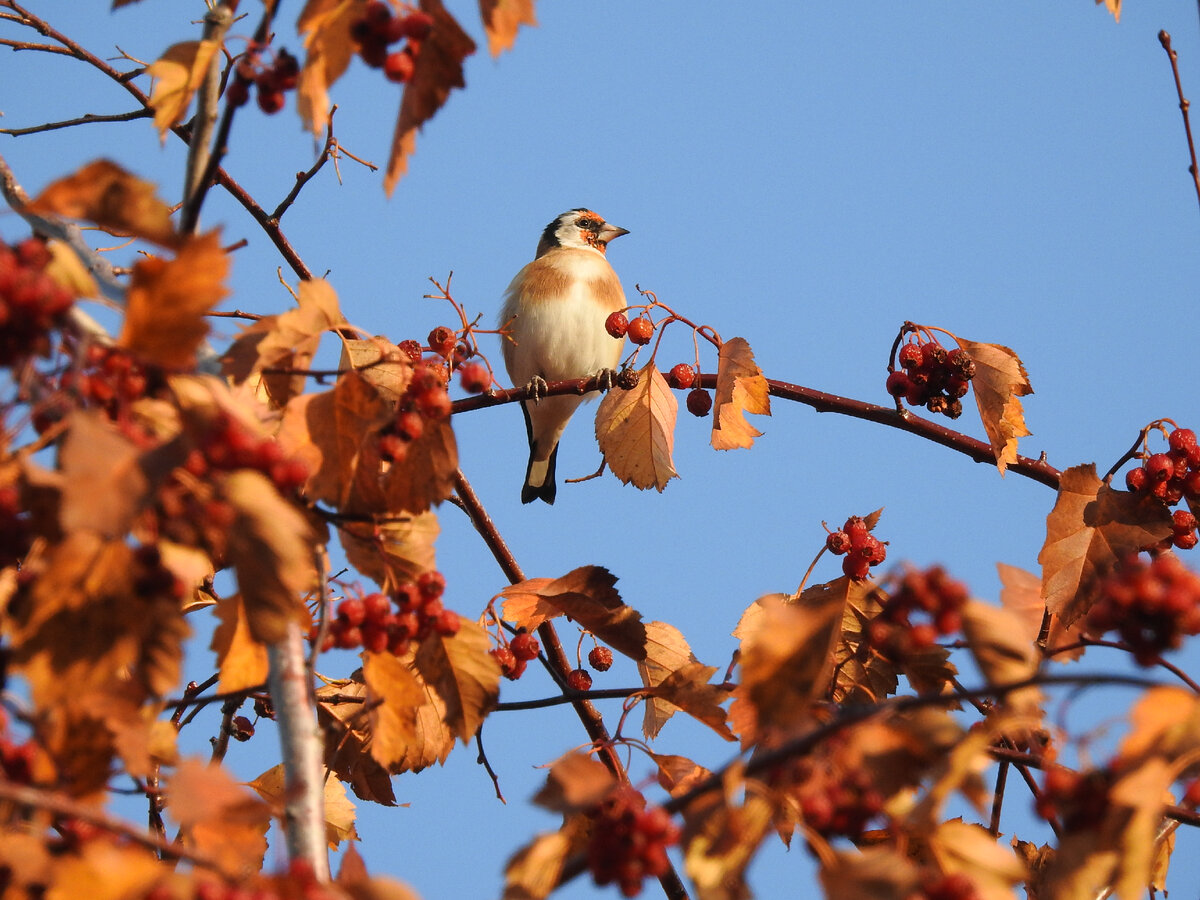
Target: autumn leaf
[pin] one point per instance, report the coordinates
(1164, 721)
(719, 840)
(1090, 528)
(1000, 381)
(688, 689)
(872, 874)
(861, 675)
(1021, 594)
(103, 869)
(177, 75)
(287, 341)
(667, 651)
(117, 201)
(218, 816)
(339, 810)
(1113, 6)
(394, 695)
(340, 711)
(439, 69)
(741, 389)
(380, 362)
(465, 676)
(169, 300)
(241, 660)
(426, 475)
(532, 872)
(678, 774)
(1002, 652)
(575, 783)
(587, 595)
(636, 431)
(68, 271)
(786, 659)
(969, 850)
(502, 18)
(269, 548)
(324, 26)
(524, 605)
(393, 551)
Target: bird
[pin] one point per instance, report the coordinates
(553, 320)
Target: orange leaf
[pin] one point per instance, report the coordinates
(165, 318)
(532, 872)
(667, 651)
(117, 201)
(270, 549)
(719, 841)
(241, 660)
(502, 18)
(575, 783)
(177, 75)
(524, 605)
(587, 595)
(1021, 593)
(1000, 379)
(218, 816)
(636, 431)
(1002, 652)
(741, 389)
(339, 811)
(395, 694)
(394, 551)
(465, 676)
(347, 734)
(1090, 528)
(325, 27)
(439, 69)
(875, 873)
(688, 688)
(969, 850)
(1113, 6)
(426, 475)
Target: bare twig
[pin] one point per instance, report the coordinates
(86, 119)
(1165, 40)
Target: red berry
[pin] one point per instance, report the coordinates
(399, 67)
(352, 610)
(409, 425)
(377, 13)
(374, 51)
(524, 646)
(579, 680)
(412, 349)
(600, 659)
(431, 585)
(854, 566)
(1185, 540)
(699, 402)
(910, 356)
(1160, 467)
(681, 377)
(287, 71)
(641, 330)
(237, 93)
(435, 404)
(616, 324)
(475, 378)
(417, 25)
(1183, 520)
(837, 542)
(1136, 479)
(447, 623)
(270, 101)
(1182, 440)
(377, 607)
(442, 339)
(898, 384)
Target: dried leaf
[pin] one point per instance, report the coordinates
(270, 548)
(68, 271)
(524, 605)
(678, 774)
(532, 872)
(1000, 380)
(688, 689)
(667, 651)
(117, 201)
(168, 302)
(575, 783)
(1002, 652)
(218, 816)
(719, 841)
(968, 849)
(394, 694)
(394, 551)
(502, 18)
(104, 869)
(1090, 528)
(439, 69)
(636, 431)
(339, 810)
(347, 736)
(380, 362)
(242, 661)
(324, 26)
(103, 482)
(873, 874)
(741, 389)
(1113, 6)
(786, 657)
(177, 75)
(1021, 593)
(465, 676)
(426, 476)
(1164, 721)
(587, 595)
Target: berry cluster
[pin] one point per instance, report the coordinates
(379, 623)
(932, 593)
(955, 886)
(861, 548)
(270, 82)
(151, 578)
(1151, 604)
(15, 539)
(299, 882)
(516, 656)
(379, 28)
(109, 378)
(229, 445)
(424, 400)
(932, 377)
(31, 302)
(1170, 477)
(629, 840)
(1079, 800)
(833, 799)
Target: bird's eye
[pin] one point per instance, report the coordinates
(588, 224)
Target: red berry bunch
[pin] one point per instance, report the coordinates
(1170, 477)
(629, 840)
(31, 302)
(1150, 604)
(109, 378)
(933, 377)
(379, 28)
(15, 539)
(1079, 800)
(861, 548)
(932, 594)
(153, 579)
(270, 82)
(833, 799)
(229, 445)
(424, 400)
(954, 886)
(516, 656)
(378, 622)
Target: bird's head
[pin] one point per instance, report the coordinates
(580, 228)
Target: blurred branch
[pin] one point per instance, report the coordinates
(208, 97)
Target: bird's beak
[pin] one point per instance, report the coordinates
(610, 232)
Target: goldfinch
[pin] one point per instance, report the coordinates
(553, 317)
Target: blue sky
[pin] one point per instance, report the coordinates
(807, 176)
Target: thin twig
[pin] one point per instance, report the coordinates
(86, 119)
(1165, 39)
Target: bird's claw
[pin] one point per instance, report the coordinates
(537, 384)
(606, 378)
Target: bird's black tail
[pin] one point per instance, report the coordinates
(548, 488)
